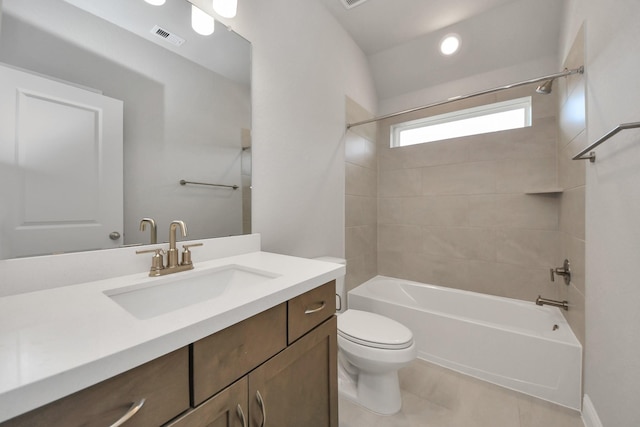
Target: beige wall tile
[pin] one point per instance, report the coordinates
(402, 182)
(572, 218)
(576, 313)
(360, 181)
(514, 211)
(440, 211)
(572, 115)
(421, 155)
(461, 178)
(360, 210)
(571, 177)
(360, 151)
(523, 175)
(463, 243)
(572, 173)
(359, 240)
(527, 248)
(455, 213)
(400, 238)
(512, 281)
(528, 143)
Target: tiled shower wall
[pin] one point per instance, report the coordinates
(458, 213)
(361, 193)
(571, 177)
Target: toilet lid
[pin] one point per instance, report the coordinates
(373, 330)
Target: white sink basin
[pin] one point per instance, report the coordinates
(165, 294)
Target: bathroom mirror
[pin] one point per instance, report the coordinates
(108, 106)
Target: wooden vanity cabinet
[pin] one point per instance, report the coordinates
(282, 385)
(280, 364)
(163, 383)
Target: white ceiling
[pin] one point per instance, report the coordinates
(401, 38)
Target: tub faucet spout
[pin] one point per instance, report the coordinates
(544, 301)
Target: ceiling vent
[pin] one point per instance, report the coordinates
(167, 35)
(350, 4)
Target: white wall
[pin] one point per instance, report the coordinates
(304, 64)
(612, 353)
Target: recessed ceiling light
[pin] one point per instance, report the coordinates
(155, 2)
(450, 44)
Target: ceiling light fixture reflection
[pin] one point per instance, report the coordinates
(155, 2)
(201, 22)
(225, 8)
(450, 44)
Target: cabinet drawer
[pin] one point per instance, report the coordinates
(310, 309)
(222, 358)
(163, 383)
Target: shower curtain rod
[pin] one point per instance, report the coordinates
(564, 73)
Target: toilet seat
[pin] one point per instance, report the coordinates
(372, 330)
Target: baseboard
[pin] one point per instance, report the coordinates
(589, 414)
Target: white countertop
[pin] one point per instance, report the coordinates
(58, 341)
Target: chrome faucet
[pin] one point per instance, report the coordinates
(172, 253)
(153, 230)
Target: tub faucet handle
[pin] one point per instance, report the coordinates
(564, 271)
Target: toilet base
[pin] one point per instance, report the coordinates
(379, 393)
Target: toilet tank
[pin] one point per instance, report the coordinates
(341, 294)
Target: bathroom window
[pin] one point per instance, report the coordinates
(512, 114)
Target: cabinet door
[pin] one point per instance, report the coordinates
(226, 409)
(299, 386)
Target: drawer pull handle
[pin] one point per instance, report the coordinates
(320, 306)
(135, 407)
(241, 415)
(261, 403)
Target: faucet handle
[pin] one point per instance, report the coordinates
(157, 260)
(564, 271)
(186, 253)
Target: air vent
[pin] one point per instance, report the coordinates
(167, 35)
(349, 4)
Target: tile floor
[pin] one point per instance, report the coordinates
(437, 397)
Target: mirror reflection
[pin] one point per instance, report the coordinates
(103, 115)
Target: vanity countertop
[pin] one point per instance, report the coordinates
(58, 341)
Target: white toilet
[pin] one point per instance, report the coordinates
(371, 350)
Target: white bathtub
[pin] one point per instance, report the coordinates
(504, 341)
